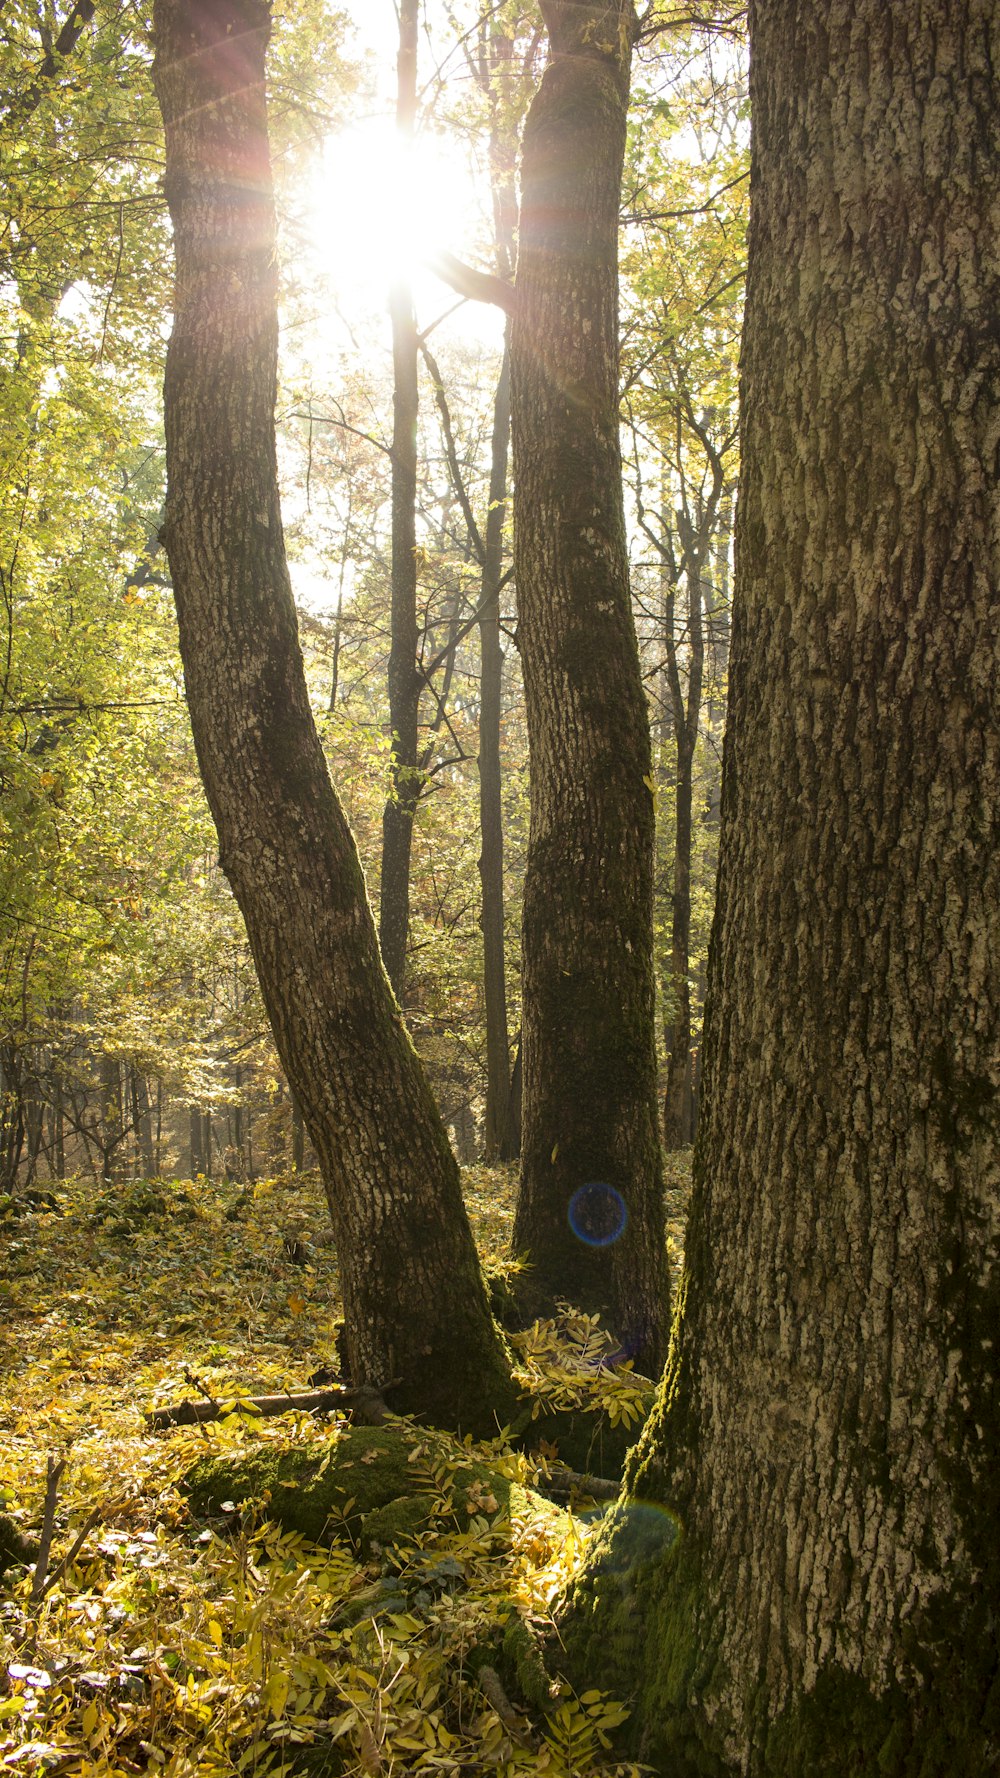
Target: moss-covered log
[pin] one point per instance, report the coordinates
(374, 1486)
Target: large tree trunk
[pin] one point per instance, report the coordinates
(590, 1212)
(403, 679)
(827, 1438)
(414, 1302)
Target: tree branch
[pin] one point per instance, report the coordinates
(483, 287)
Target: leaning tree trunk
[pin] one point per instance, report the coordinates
(590, 1212)
(414, 1303)
(827, 1438)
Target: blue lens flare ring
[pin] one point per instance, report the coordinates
(597, 1214)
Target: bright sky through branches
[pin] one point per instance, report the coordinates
(378, 209)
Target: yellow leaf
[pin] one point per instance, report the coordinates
(90, 1717)
(555, 1153)
(276, 1693)
(215, 1632)
(296, 1304)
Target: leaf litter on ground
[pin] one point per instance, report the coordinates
(180, 1648)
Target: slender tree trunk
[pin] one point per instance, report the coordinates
(338, 622)
(590, 1210)
(676, 1123)
(512, 1128)
(491, 786)
(142, 1122)
(197, 1162)
(677, 1126)
(414, 1302)
(58, 1130)
(827, 1442)
(494, 67)
(404, 681)
(111, 1118)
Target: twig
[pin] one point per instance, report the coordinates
(53, 1476)
(74, 1550)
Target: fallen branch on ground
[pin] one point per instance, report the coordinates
(364, 1404)
(562, 1484)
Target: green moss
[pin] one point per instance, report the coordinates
(375, 1485)
(842, 1729)
(523, 1665)
(638, 1625)
(396, 1523)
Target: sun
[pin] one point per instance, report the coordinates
(378, 208)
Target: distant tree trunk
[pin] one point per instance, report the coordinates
(58, 1129)
(493, 66)
(111, 1121)
(590, 1210)
(142, 1122)
(827, 1442)
(414, 1301)
(338, 621)
(686, 707)
(512, 1128)
(158, 1133)
(197, 1142)
(403, 678)
(490, 789)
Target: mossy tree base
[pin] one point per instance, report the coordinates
(638, 1623)
(373, 1486)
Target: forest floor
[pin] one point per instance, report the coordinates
(169, 1645)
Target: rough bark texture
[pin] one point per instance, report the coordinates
(590, 1110)
(414, 1301)
(827, 1437)
(403, 679)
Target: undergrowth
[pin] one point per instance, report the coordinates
(171, 1646)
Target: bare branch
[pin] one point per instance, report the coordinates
(483, 287)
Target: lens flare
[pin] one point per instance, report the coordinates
(597, 1214)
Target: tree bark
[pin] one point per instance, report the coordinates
(403, 678)
(826, 1441)
(590, 1210)
(414, 1301)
